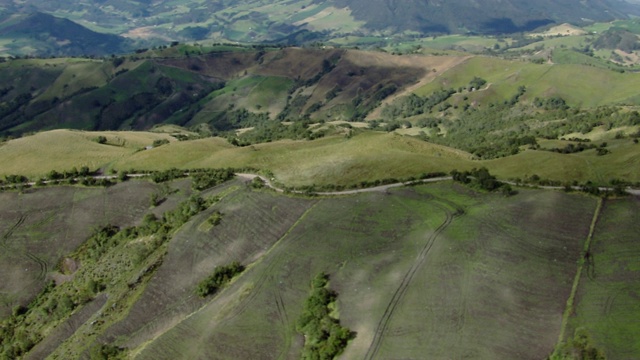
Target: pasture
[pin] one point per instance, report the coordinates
(570, 81)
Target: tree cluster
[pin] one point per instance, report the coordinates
(478, 178)
(325, 338)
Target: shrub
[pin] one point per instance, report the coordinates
(221, 276)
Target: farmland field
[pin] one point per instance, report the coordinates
(436, 270)
(424, 270)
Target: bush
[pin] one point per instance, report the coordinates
(209, 178)
(159, 142)
(222, 275)
(215, 218)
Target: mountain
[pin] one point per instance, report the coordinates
(261, 20)
(482, 16)
(41, 34)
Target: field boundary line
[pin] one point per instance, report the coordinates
(270, 263)
(576, 281)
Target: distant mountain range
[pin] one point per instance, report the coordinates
(43, 34)
(481, 16)
(26, 28)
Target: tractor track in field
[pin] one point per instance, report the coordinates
(398, 295)
(284, 320)
(12, 229)
(42, 265)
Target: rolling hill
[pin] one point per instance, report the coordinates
(487, 16)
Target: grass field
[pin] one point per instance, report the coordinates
(330, 160)
(69, 149)
(571, 82)
(607, 303)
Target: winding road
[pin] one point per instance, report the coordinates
(269, 184)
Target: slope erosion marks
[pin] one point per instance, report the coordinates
(42, 265)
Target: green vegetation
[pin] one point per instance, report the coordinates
(215, 218)
(211, 177)
(221, 276)
(324, 337)
(480, 179)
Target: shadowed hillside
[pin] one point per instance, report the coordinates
(40, 34)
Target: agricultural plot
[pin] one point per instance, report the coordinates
(607, 306)
(437, 270)
(250, 224)
(41, 226)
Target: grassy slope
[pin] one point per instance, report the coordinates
(331, 160)
(572, 82)
(511, 270)
(368, 243)
(195, 251)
